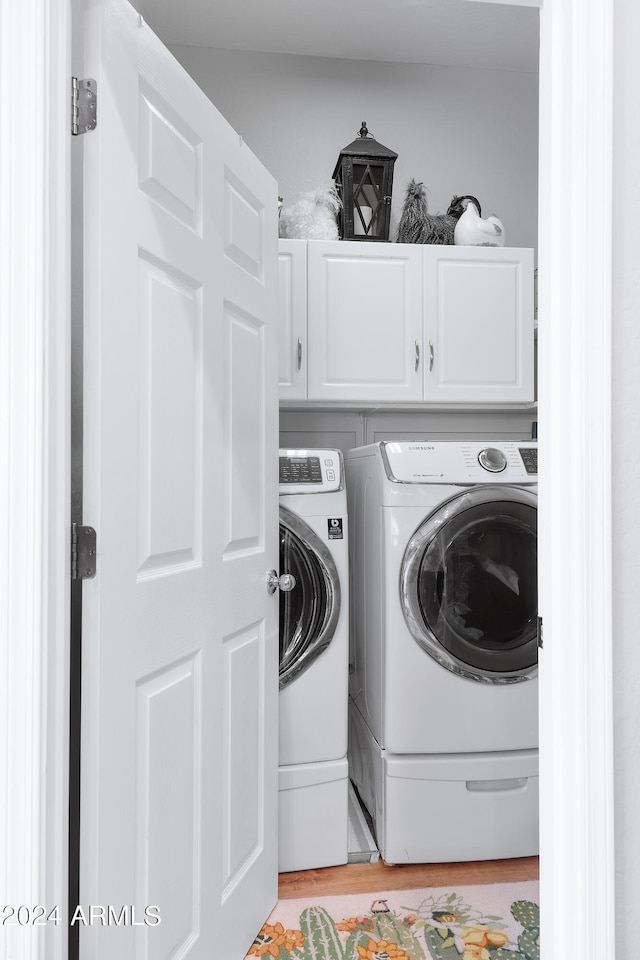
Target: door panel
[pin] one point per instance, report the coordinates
(170, 158)
(244, 474)
(168, 769)
(243, 813)
(170, 428)
(180, 639)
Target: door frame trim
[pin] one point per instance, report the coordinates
(35, 81)
(574, 491)
(576, 730)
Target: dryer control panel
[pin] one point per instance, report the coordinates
(310, 471)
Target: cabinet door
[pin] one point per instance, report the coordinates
(478, 323)
(292, 319)
(364, 321)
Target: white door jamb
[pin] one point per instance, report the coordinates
(574, 413)
(34, 470)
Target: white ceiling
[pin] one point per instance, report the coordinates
(460, 33)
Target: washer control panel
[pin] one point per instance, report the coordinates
(300, 470)
(310, 471)
(454, 461)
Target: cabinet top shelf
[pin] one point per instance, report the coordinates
(381, 246)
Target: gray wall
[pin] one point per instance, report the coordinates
(626, 471)
(458, 130)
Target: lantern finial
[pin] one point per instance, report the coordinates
(363, 133)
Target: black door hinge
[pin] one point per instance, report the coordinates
(83, 552)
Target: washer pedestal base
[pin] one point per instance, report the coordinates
(313, 815)
(446, 808)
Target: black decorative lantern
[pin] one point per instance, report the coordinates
(364, 177)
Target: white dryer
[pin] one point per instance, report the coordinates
(314, 642)
(444, 713)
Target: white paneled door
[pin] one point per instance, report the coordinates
(180, 645)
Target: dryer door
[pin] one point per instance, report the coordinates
(469, 585)
(309, 612)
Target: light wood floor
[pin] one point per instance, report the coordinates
(370, 877)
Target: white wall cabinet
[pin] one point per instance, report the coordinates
(478, 324)
(364, 321)
(405, 323)
(292, 319)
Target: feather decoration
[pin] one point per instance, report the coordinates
(313, 216)
(417, 225)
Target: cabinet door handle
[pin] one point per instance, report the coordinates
(417, 355)
(299, 353)
(431, 355)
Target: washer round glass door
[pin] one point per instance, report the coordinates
(469, 587)
(309, 612)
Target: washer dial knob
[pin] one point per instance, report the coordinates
(492, 459)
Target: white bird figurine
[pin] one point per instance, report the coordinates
(472, 230)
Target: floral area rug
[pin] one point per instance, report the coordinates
(499, 921)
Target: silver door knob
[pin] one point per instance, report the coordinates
(284, 582)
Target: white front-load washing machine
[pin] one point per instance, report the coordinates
(314, 643)
(444, 692)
